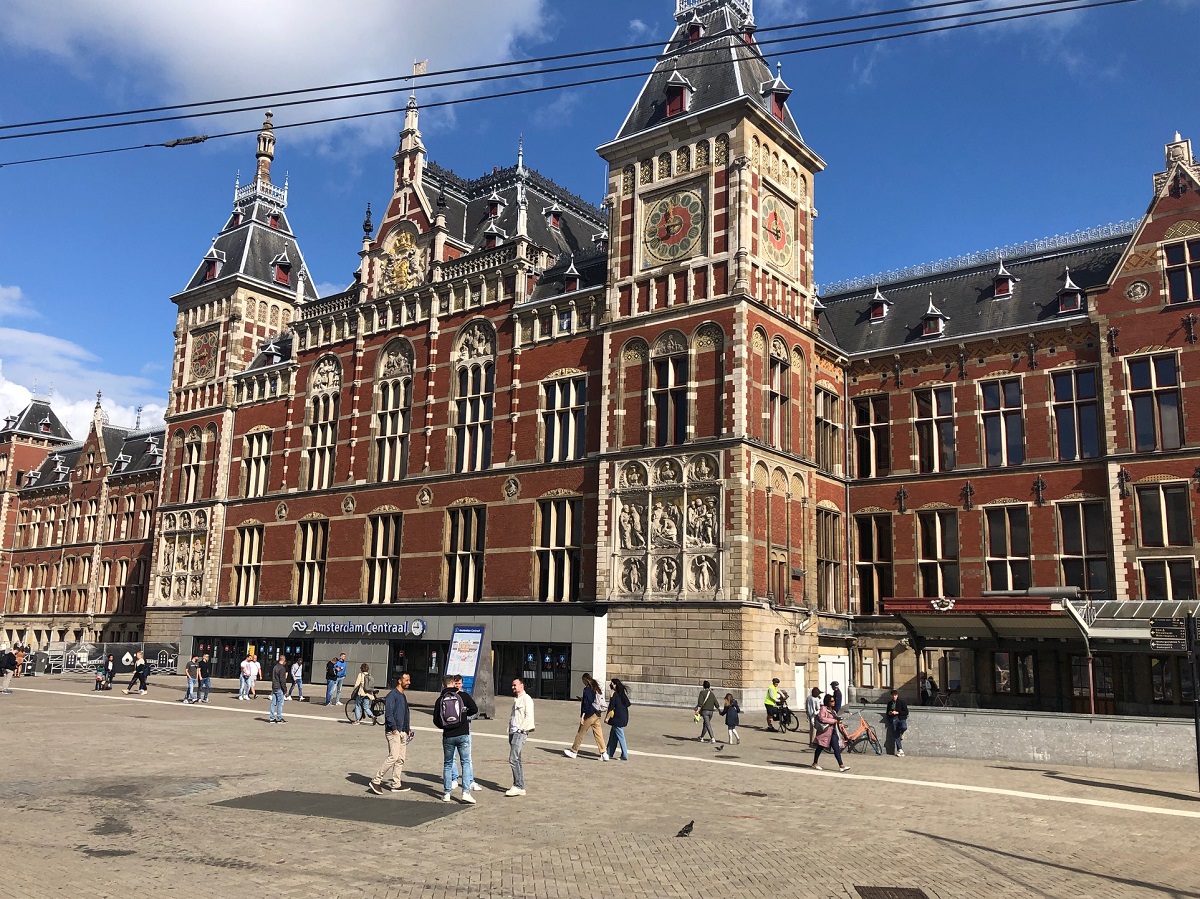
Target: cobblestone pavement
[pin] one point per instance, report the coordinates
(106, 795)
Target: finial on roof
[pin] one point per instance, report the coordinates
(137, 421)
(1068, 284)
(367, 226)
(97, 399)
(521, 154)
(266, 149)
(1003, 272)
(1178, 137)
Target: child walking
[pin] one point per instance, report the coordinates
(732, 713)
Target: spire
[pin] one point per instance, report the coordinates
(266, 149)
(521, 154)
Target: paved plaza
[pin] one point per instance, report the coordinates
(106, 795)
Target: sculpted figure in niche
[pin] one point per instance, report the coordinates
(667, 473)
(704, 573)
(630, 526)
(667, 576)
(633, 476)
(633, 579)
(396, 362)
(702, 521)
(475, 342)
(198, 555)
(664, 524)
(703, 470)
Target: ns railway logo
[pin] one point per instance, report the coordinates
(414, 628)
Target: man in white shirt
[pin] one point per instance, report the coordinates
(255, 674)
(244, 684)
(520, 723)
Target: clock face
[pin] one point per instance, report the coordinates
(204, 355)
(674, 227)
(778, 237)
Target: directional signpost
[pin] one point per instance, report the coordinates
(1168, 635)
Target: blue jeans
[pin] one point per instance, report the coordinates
(337, 690)
(191, 695)
(244, 687)
(898, 729)
(462, 746)
(298, 687)
(330, 686)
(616, 735)
(276, 711)
(364, 708)
(205, 687)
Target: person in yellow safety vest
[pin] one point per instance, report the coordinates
(771, 703)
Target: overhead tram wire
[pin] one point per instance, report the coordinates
(567, 85)
(480, 68)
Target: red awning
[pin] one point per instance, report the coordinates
(952, 619)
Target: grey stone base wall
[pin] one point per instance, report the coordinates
(683, 696)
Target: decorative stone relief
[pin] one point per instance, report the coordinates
(631, 528)
(185, 520)
(664, 165)
(349, 504)
(647, 172)
(281, 512)
(702, 154)
(704, 468)
(666, 575)
(682, 160)
(326, 376)
(710, 337)
(1182, 229)
(758, 342)
(424, 496)
(201, 520)
(633, 576)
(397, 361)
(512, 488)
(702, 521)
(1137, 291)
(670, 344)
(403, 265)
(665, 521)
(703, 572)
(1142, 259)
(667, 472)
(721, 156)
(476, 341)
(635, 352)
(633, 475)
(627, 176)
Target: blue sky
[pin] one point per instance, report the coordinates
(936, 146)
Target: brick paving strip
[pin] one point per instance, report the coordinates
(102, 796)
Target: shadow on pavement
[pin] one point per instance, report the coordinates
(1125, 788)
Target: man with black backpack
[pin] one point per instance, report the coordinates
(451, 714)
(8, 664)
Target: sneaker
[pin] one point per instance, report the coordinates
(468, 798)
(397, 788)
(817, 767)
(844, 768)
(515, 791)
(287, 699)
(604, 756)
(569, 754)
(445, 797)
(476, 788)
(899, 752)
(204, 700)
(375, 788)
(282, 720)
(454, 784)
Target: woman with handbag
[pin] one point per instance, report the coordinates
(362, 694)
(139, 675)
(827, 723)
(706, 707)
(592, 708)
(618, 719)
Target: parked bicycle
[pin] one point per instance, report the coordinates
(788, 720)
(375, 714)
(862, 737)
(945, 700)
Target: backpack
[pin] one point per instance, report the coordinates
(450, 705)
(599, 703)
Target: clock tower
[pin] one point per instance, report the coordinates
(707, 485)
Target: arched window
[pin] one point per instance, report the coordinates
(779, 396)
(393, 405)
(189, 482)
(669, 391)
(324, 391)
(475, 382)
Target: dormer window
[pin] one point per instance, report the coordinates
(879, 305)
(679, 93)
(32, 478)
(553, 216)
(933, 323)
(695, 30)
(121, 463)
(1003, 282)
(44, 425)
(1070, 297)
(210, 269)
(274, 220)
(283, 269)
(571, 278)
(236, 220)
(492, 235)
(495, 205)
(490, 241)
(776, 92)
(932, 328)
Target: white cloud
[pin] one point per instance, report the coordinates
(188, 50)
(68, 372)
(14, 304)
(639, 30)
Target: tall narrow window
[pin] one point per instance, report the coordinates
(558, 553)
(829, 429)
(872, 444)
(669, 392)
(474, 400)
(1154, 394)
(111, 519)
(1008, 548)
(324, 392)
(392, 421)
(189, 482)
(105, 588)
(76, 521)
(1183, 271)
(874, 564)
(465, 542)
(938, 561)
(1083, 549)
(1164, 517)
(829, 561)
(248, 567)
(779, 397)
(563, 418)
(313, 537)
(1003, 422)
(146, 516)
(256, 462)
(127, 518)
(1076, 414)
(89, 521)
(383, 558)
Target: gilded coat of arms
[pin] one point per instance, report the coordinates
(403, 265)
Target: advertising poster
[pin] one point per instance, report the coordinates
(465, 646)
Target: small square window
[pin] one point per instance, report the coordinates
(933, 326)
(1003, 287)
(282, 274)
(878, 310)
(1070, 302)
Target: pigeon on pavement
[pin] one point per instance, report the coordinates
(686, 831)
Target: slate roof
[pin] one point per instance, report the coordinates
(591, 267)
(38, 420)
(273, 352)
(127, 450)
(721, 67)
(967, 299)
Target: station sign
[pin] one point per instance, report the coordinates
(413, 628)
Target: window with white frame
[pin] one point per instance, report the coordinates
(874, 562)
(779, 397)
(885, 668)
(938, 545)
(256, 462)
(465, 544)
(105, 587)
(147, 516)
(829, 561)
(669, 395)
(313, 544)
(1169, 580)
(89, 521)
(247, 569)
(559, 549)
(1154, 395)
(392, 425)
(1008, 562)
(1183, 271)
(867, 668)
(322, 440)
(1076, 414)
(1003, 422)
(1164, 516)
(189, 480)
(564, 414)
(473, 415)
(111, 517)
(828, 429)
(1083, 548)
(935, 428)
(383, 558)
(872, 441)
(127, 517)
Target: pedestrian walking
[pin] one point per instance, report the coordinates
(330, 679)
(362, 693)
(591, 708)
(931, 688)
(772, 704)
(475, 787)
(397, 731)
(520, 725)
(732, 714)
(139, 675)
(837, 697)
(8, 665)
(110, 671)
(923, 680)
(451, 715)
(897, 717)
(812, 706)
(296, 680)
(706, 707)
(339, 670)
(20, 652)
(192, 671)
(279, 675)
(205, 677)
(618, 719)
(828, 734)
(247, 669)
(255, 674)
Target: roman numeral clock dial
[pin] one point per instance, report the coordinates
(674, 227)
(778, 231)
